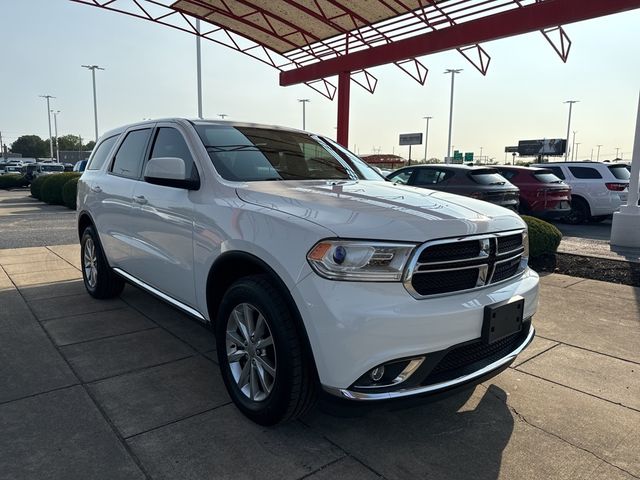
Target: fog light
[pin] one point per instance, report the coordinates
(377, 373)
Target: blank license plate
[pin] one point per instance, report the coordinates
(502, 319)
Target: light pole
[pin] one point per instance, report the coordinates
(480, 157)
(304, 101)
(577, 145)
(222, 115)
(453, 72)
(426, 137)
(55, 124)
(93, 69)
(49, 119)
(570, 102)
(199, 68)
(573, 145)
(617, 149)
(598, 157)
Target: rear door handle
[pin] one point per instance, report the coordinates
(140, 199)
(96, 189)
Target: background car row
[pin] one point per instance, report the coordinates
(573, 191)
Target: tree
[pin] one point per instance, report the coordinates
(69, 142)
(89, 146)
(30, 146)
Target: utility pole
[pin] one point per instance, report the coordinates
(93, 69)
(480, 157)
(304, 101)
(55, 124)
(617, 149)
(453, 72)
(48, 97)
(577, 158)
(573, 146)
(570, 102)
(222, 115)
(426, 137)
(598, 157)
(592, 154)
(199, 67)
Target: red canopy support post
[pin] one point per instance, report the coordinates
(344, 85)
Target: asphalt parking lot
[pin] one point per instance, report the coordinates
(129, 388)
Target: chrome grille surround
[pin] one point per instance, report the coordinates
(489, 257)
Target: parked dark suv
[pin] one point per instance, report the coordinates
(477, 182)
(542, 194)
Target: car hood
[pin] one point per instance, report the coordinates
(380, 210)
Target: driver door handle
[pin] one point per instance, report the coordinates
(140, 199)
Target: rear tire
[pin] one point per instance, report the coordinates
(580, 212)
(99, 279)
(264, 365)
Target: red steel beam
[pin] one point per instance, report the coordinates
(344, 86)
(531, 18)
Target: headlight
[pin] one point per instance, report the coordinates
(360, 260)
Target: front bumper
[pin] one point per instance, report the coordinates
(356, 326)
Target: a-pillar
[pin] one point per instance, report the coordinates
(625, 228)
(344, 84)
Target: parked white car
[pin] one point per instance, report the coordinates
(314, 272)
(597, 188)
(40, 169)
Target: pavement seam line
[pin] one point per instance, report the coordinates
(577, 390)
(588, 350)
(61, 257)
(319, 469)
(87, 391)
(44, 320)
(5, 402)
(521, 417)
(538, 354)
(343, 450)
(115, 335)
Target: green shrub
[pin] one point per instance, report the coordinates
(13, 181)
(36, 187)
(52, 187)
(70, 192)
(543, 237)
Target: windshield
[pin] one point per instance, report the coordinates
(546, 177)
(258, 154)
(620, 172)
(53, 168)
(487, 177)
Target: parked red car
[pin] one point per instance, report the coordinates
(542, 194)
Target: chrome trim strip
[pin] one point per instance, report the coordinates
(409, 370)
(453, 269)
(361, 396)
(163, 296)
(505, 260)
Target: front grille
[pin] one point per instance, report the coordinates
(468, 358)
(463, 264)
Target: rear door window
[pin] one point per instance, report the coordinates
(508, 174)
(557, 171)
(401, 177)
(101, 154)
(128, 160)
(585, 172)
(487, 177)
(428, 176)
(620, 172)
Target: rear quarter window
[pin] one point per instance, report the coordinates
(487, 177)
(557, 171)
(546, 177)
(620, 172)
(585, 172)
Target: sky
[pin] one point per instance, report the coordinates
(150, 72)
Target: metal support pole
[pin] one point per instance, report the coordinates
(573, 146)
(426, 137)
(598, 157)
(409, 154)
(453, 75)
(49, 119)
(199, 68)
(55, 124)
(566, 151)
(344, 85)
(577, 144)
(95, 102)
(304, 102)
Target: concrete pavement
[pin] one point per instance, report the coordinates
(129, 388)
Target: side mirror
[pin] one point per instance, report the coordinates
(170, 172)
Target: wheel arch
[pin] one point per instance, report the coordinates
(84, 220)
(580, 198)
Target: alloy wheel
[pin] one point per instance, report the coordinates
(90, 263)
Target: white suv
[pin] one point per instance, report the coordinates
(597, 189)
(314, 272)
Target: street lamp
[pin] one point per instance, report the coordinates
(598, 157)
(199, 68)
(222, 115)
(55, 123)
(617, 149)
(426, 137)
(49, 119)
(566, 150)
(453, 72)
(573, 145)
(93, 69)
(304, 101)
(577, 145)
(480, 157)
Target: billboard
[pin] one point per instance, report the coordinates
(547, 146)
(411, 139)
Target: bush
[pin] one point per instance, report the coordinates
(70, 192)
(36, 187)
(544, 238)
(51, 190)
(13, 181)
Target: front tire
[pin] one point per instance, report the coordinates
(261, 354)
(99, 279)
